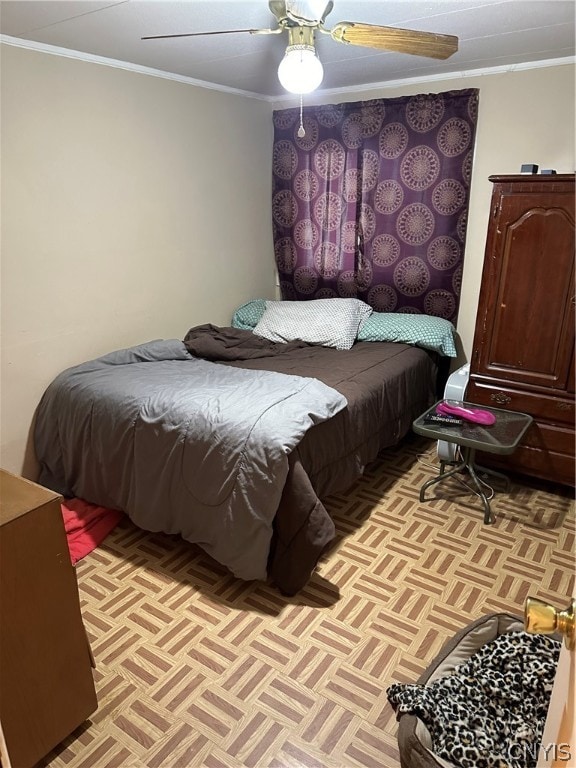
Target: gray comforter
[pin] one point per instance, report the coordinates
(180, 444)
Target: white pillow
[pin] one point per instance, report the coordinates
(327, 322)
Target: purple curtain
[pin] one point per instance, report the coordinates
(372, 201)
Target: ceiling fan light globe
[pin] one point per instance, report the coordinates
(300, 70)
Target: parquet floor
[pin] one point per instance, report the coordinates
(197, 669)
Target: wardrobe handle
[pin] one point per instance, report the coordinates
(500, 398)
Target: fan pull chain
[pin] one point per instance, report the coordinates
(301, 131)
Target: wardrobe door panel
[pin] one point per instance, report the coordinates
(527, 343)
(523, 354)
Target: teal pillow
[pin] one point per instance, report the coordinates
(424, 331)
(248, 315)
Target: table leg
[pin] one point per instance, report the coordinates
(468, 464)
(488, 517)
(442, 476)
(494, 473)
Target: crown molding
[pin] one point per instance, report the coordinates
(498, 70)
(280, 100)
(126, 65)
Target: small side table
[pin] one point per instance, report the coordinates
(502, 437)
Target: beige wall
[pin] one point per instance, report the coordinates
(524, 116)
(133, 208)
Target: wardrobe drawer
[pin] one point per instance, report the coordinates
(546, 451)
(555, 409)
(550, 438)
(547, 465)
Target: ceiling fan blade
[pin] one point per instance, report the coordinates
(393, 39)
(222, 32)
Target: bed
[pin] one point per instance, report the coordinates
(231, 437)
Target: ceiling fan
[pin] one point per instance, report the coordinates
(300, 70)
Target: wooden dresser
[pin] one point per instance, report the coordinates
(46, 684)
(523, 353)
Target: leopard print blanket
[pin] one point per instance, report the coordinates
(490, 712)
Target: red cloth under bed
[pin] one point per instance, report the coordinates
(87, 525)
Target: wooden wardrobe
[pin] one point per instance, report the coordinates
(523, 353)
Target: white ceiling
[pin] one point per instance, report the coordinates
(492, 33)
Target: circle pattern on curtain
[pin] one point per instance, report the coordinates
(372, 202)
